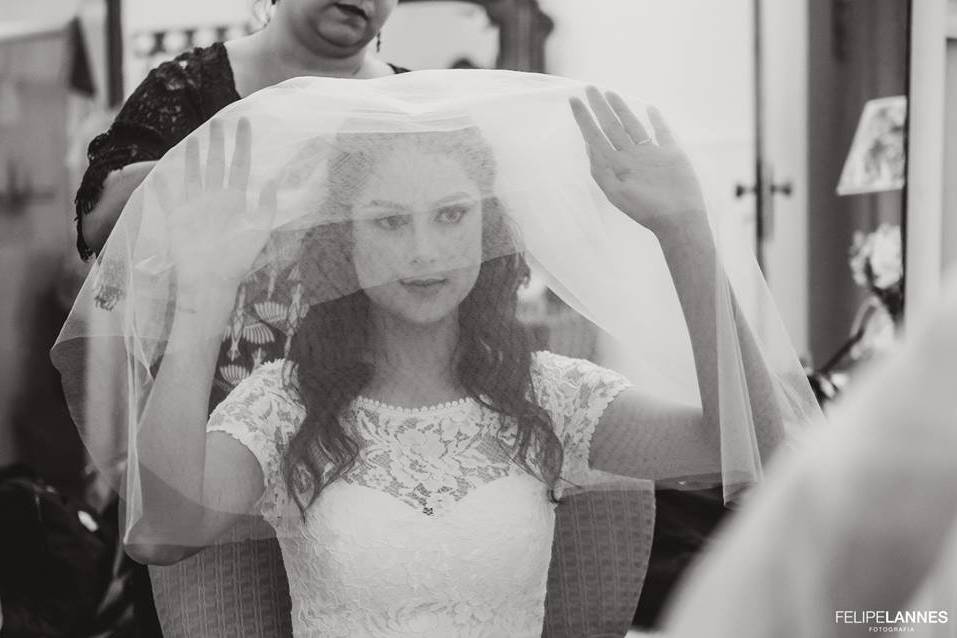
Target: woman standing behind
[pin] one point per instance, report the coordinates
(302, 37)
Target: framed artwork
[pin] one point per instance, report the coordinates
(876, 161)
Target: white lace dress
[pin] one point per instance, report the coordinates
(434, 532)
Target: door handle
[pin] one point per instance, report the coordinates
(776, 188)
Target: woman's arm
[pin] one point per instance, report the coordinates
(193, 488)
(118, 185)
(655, 185)
(161, 111)
(646, 437)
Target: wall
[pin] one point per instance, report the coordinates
(453, 31)
(32, 142)
(932, 192)
(693, 59)
(683, 55)
(949, 217)
(146, 16)
(150, 14)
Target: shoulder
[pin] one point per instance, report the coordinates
(267, 398)
(575, 393)
(550, 368)
(569, 386)
(276, 378)
(262, 413)
(194, 85)
(187, 70)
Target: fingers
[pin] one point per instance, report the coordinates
(595, 141)
(258, 223)
(610, 124)
(163, 194)
(269, 199)
(633, 126)
(662, 133)
(242, 156)
(239, 168)
(216, 157)
(192, 181)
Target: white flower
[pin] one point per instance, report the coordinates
(885, 256)
(860, 250)
(880, 253)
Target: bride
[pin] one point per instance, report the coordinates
(409, 447)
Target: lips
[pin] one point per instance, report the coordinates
(428, 286)
(352, 9)
(424, 282)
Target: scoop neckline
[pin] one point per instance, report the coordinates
(375, 404)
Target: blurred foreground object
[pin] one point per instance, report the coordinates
(857, 526)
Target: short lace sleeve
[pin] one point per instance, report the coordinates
(262, 415)
(575, 393)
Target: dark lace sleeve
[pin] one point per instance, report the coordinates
(174, 99)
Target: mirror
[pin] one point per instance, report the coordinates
(858, 59)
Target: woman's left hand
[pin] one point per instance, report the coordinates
(653, 183)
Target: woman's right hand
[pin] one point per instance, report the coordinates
(214, 234)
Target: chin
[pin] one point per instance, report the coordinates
(411, 308)
(424, 314)
(345, 38)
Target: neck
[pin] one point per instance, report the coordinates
(287, 57)
(414, 363)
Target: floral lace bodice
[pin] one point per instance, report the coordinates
(435, 531)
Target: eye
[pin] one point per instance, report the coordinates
(452, 214)
(391, 222)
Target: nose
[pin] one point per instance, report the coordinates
(425, 248)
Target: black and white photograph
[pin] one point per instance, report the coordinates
(478, 318)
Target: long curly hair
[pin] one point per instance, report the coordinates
(328, 363)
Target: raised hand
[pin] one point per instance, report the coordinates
(650, 180)
(214, 235)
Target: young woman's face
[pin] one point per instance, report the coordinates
(345, 24)
(418, 236)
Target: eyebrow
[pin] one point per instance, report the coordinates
(452, 198)
(379, 203)
(448, 199)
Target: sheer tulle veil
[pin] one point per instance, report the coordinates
(289, 212)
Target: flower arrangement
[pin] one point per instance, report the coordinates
(877, 265)
(876, 262)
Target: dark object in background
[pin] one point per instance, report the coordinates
(685, 521)
(63, 572)
(55, 559)
(46, 440)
